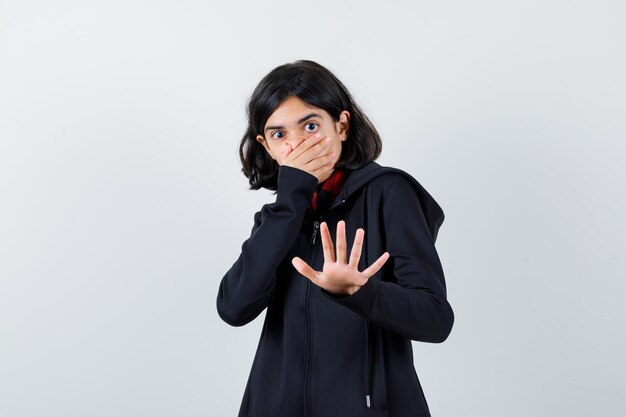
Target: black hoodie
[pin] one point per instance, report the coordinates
(328, 355)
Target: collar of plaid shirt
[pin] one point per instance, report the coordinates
(326, 192)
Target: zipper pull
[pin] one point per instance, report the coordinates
(367, 401)
(316, 226)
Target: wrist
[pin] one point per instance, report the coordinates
(355, 287)
(351, 290)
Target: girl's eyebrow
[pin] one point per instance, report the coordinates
(308, 116)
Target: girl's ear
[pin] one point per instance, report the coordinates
(343, 125)
(263, 142)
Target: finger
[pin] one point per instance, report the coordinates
(372, 269)
(322, 160)
(318, 146)
(323, 146)
(318, 172)
(318, 154)
(308, 143)
(341, 242)
(304, 269)
(327, 243)
(355, 254)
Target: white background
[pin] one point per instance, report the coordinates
(123, 203)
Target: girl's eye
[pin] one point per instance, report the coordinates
(311, 127)
(278, 135)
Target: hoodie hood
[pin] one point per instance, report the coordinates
(361, 176)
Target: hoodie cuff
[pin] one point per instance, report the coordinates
(359, 301)
(290, 177)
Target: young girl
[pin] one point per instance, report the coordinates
(337, 335)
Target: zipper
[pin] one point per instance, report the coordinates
(307, 346)
(307, 316)
(305, 383)
(316, 228)
(316, 224)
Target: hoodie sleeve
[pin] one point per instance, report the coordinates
(247, 286)
(414, 302)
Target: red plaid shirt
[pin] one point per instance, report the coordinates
(328, 190)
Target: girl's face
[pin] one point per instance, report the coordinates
(294, 120)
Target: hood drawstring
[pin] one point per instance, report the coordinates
(381, 366)
(368, 361)
(368, 400)
(368, 345)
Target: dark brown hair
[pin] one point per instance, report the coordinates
(316, 86)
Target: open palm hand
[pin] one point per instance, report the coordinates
(337, 275)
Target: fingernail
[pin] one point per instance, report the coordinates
(318, 135)
(327, 140)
